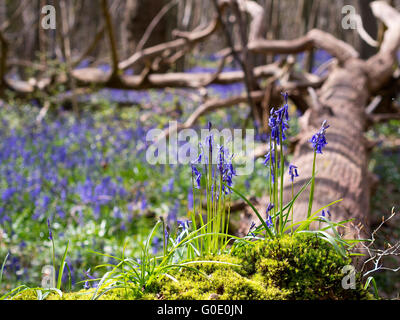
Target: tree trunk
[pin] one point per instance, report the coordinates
(342, 171)
(138, 15)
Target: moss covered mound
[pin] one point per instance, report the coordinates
(299, 267)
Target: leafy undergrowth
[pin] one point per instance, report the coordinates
(385, 159)
(293, 267)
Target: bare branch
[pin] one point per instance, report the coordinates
(154, 23)
(111, 37)
(380, 66)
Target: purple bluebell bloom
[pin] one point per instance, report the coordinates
(278, 121)
(87, 284)
(173, 213)
(252, 226)
(190, 199)
(269, 207)
(143, 204)
(184, 224)
(318, 140)
(197, 176)
(323, 214)
(268, 221)
(156, 245)
(293, 172)
(49, 227)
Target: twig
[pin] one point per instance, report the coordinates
(111, 38)
(154, 23)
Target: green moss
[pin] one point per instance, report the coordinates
(299, 267)
(115, 294)
(306, 266)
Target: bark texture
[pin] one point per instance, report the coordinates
(342, 100)
(342, 171)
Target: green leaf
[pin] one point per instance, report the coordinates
(62, 266)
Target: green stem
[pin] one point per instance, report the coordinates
(292, 207)
(282, 173)
(54, 263)
(276, 184)
(310, 202)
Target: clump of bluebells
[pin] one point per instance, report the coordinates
(279, 216)
(278, 123)
(212, 182)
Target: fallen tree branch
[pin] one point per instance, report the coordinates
(380, 66)
(313, 39)
(96, 77)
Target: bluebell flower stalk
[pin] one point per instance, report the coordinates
(293, 174)
(218, 178)
(53, 251)
(318, 142)
(279, 123)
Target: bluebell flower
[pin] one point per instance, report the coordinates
(270, 157)
(190, 199)
(49, 227)
(7, 194)
(173, 213)
(221, 160)
(3, 216)
(318, 140)
(117, 213)
(200, 154)
(166, 236)
(269, 207)
(143, 205)
(323, 214)
(252, 226)
(87, 274)
(268, 221)
(184, 224)
(170, 186)
(156, 245)
(285, 109)
(197, 176)
(278, 122)
(226, 169)
(293, 172)
(86, 285)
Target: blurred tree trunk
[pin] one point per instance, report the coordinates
(369, 23)
(342, 168)
(138, 15)
(31, 22)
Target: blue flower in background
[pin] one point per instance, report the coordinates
(173, 213)
(49, 228)
(323, 214)
(190, 199)
(156, 245)
(293, 172)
